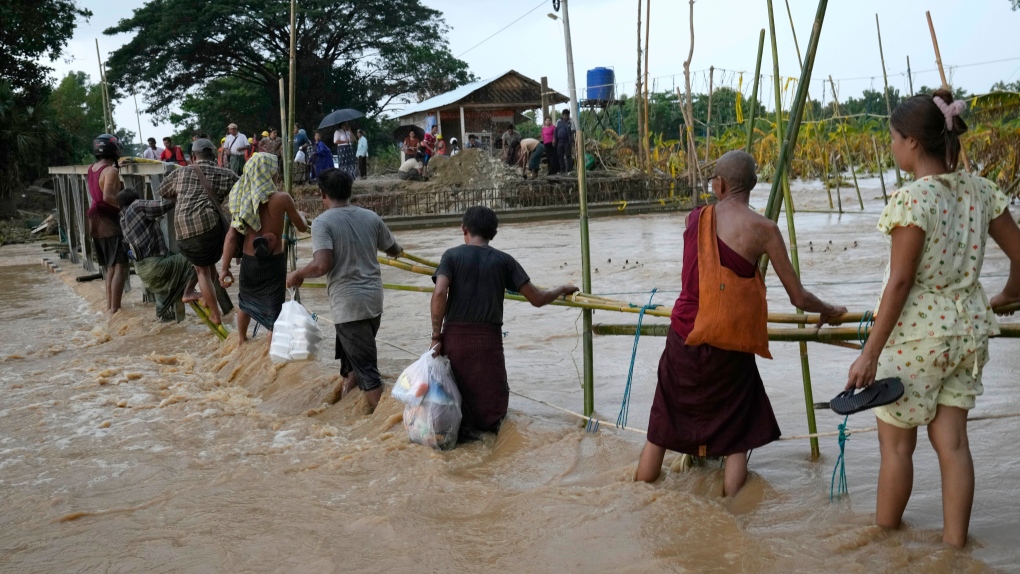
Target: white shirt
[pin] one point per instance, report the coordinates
(411, 164)
(150, 153)
(342, 137)
(236, 144)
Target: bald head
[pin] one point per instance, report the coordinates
(737, 169)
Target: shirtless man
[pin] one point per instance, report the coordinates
(263, 274)
(710, 400)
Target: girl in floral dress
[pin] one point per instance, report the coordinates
(933, 318)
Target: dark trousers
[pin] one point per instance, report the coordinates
(565, 154)
(363, 166)
(553, 158)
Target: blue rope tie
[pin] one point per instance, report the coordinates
(621, 419)
(842, 488)
(592, 426)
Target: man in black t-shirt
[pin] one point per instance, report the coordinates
(467, 316)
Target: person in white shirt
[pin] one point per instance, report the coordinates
(235, 147)
(362, 155)
(344, 150)
(152, 152)
(412, 168)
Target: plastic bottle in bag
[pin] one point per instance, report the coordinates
(435, 420)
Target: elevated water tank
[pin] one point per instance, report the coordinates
(601, 82)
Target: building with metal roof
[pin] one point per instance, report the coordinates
(481, 108)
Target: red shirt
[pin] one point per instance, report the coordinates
(173, 153)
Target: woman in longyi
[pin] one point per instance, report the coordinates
(710, 400)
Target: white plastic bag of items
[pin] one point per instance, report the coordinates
(296, 336)
(432, 413)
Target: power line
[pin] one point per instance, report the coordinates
(540, 4)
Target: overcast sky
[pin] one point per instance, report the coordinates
(604, 33)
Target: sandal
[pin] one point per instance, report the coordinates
(882, 392)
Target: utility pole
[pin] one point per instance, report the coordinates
(589, 374)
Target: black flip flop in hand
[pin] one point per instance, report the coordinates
(881, 393)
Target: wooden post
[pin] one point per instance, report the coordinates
(910, 77)
(708, 120)
(545, 104)
(846, 142)
(291, 100)
(638, 95)
(582, 190)
(888, 105)
(463, 125)
(754, 92)
(796, 114)
(648, 137)
(945, 83)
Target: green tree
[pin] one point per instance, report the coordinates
(33, 32)
(349, 53)
(77, 108)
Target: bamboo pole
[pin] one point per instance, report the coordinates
(288, 138)
(708, 120)
(754, 92)
(945, 83)
(291, 100)
(218, 330)
(416, 259)
(693, 169)
(796, 115)
(910, 77)
(881, 172)
(828, 334)
(648, 136)
(642, 152)
(793, 29)
(888, 104)
(102, 90)
(805, 367)
(138, 118)
(846, 143)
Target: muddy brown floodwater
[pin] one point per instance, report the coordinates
(130, 446)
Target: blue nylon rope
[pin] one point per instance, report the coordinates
(621, 419)
(842, 488)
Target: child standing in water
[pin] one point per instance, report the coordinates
(933, 320)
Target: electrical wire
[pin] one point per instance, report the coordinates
(540, 4)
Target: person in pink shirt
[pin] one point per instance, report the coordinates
(547, 140)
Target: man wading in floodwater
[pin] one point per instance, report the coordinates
(467, 316)
(345, 241)
(710, 400)
(104, 218)
(258, 212)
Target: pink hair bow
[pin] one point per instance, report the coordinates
(949, 110)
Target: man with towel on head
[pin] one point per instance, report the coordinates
(258, 213)
(198, 192)
(346, 240)
(467, 318)
(170, 276)
(710, 400)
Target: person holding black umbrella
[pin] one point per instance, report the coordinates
(343, 139)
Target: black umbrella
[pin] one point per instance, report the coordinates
(400, 133)
(340, 116)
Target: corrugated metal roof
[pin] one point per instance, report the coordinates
(465, 91)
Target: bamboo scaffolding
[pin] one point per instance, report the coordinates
(888, 105)
(942, 75)
(846, 143)
(638, 92)
(754, 92)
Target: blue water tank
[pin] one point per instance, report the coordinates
(601, 82)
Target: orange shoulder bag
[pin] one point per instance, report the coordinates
(732, 310)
